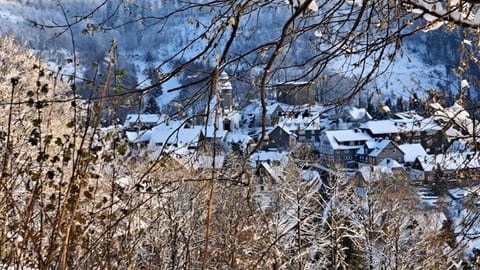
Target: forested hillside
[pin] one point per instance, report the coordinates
(148, 42)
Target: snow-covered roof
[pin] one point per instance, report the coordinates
(450, 161)
(374, 147)
(359, 113)
(310, 175)
(238, 137)
(256, 108)
(276, 172)
(394, 126)
(224, 81)
(379, 146)
(314, 109)
(142, 118)
(412, 151)
(312, 122)
(272, 107)
(284, 129)
(460, 117)
(175, 134)
(390, 163)
(263, 156)
(138, 136)
(374, 173)
(346, 139)
(412, 115)
(211, 131)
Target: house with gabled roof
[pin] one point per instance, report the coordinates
(385, 171)
(211, 134)
(252, 114)
(425, 131)
(238, 139)
(341, 146)
(280, 138)
(175, 134)
(412, 151)
(266, 179)
(140, 121)
(295, 92)
(451, 169)
(274, 158)
(354, 116)
(374, 151)
(211, 137)
(306, 125)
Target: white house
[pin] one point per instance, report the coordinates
(340, 146)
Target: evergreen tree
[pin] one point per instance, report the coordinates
(152, 107)
(400, 106)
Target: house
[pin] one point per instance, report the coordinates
(450, 169)
(175, 134)
(252, 114)
(274, 158)
(397, 169)
(295, 92)
(274, 113)
(341, 146)
(269, 181)
(207, 163)
(412, 151)
(308, 126)
(408, 115)
(238, 139)
(425, 131)
(210, 136)
(266, 179)
(387, 172)
(266, 176)
(280, 138)
(230, 120)
(142, 121)
(374, 151)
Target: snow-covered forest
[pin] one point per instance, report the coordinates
(148, 43)
(239, 134)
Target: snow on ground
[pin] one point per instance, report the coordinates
(144, 81)
(406, 74)
(167, 96)
(11, 18)
(463, 210)
(427, 197)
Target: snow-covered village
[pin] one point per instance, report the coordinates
(433, 151)
(299, 134)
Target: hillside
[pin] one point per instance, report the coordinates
(153, 44)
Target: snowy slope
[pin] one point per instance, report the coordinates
(409, 71)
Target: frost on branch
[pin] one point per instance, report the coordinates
(456, 11)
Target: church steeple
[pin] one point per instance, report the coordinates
(226, 91)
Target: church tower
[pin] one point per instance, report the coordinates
(226, 92)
